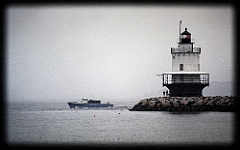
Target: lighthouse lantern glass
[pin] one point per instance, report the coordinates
(186, 36)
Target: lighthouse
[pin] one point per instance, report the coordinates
(185, 79)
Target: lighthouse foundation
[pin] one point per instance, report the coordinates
(185, 90)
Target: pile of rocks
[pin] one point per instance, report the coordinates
(211, 103)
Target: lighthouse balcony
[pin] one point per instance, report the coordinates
(186, 78)
(186, 50)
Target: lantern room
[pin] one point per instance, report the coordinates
(185, 37)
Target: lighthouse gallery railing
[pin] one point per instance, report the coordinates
(186, 50)
(202, 78)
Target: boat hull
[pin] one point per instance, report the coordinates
(80, 105)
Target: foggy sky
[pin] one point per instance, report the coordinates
(64, 53)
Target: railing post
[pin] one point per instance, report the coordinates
(163, 79)
(167, 78)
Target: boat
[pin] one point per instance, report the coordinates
(88, 103)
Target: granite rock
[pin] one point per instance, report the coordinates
(210, 103)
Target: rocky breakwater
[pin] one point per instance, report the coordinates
(211, 103)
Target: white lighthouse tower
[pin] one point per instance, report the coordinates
(185, 80)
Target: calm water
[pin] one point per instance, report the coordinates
(55, 123)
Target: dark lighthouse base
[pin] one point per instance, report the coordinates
(185, 90)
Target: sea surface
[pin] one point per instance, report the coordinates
(55, 123)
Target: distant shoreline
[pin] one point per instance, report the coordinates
(187, 104)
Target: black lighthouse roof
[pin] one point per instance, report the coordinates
(185, 32)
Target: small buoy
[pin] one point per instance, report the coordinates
(119, 113)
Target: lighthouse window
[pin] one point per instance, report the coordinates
(181, 67)
(198, 67)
